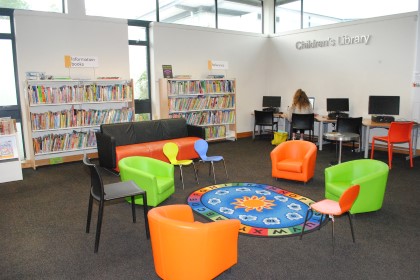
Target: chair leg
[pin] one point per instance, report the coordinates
(410, 151)
(145, 210)
(214, 174)
(304, 223)
(372, 149)
(351, 227)
(182, 177)
(195, 173)
(209, 168)
(390, 147)
(227, 176)
(89, 216)
(333, 237)
(99, 225)
(133, 208)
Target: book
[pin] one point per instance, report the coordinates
(167, 71)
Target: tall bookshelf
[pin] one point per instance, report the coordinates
(210, 103)
(64, 115)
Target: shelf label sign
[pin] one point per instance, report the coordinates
(217, 65)
(80, 61)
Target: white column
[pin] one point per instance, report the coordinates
(415, 92)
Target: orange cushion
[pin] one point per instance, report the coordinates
(155, 149)
(290, 165)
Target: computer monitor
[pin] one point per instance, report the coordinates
(384, 105)
(312, 101)
(337, 105)
(271, 101)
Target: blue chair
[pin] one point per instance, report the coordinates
(201, 147)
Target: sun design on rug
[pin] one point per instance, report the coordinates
(253, 203)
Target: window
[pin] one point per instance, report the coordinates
(289, 16)
(191, 12)
(129, 9)
(35, 5)
(138, 39)
(9, 102)
(240, 15)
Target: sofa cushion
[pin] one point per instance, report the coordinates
(141, 149)
(123, 133)
(290, 165)
(156, 130)
(155, 149)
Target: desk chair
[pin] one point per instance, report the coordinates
(303, 122)
(353, 125)
(264, 119)
(399, 132)
(108, 192)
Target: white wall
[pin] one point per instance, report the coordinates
(262, 65)
(43, 39)
(188, 49)
(382, 67)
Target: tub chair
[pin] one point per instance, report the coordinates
(154, 176)
(184, 249)
(371, 175)
(294, 160)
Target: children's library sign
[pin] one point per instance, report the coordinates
(80, 61)
(344, 40)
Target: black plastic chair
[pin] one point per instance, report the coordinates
(103, 193)
(303, 122)
(264, 119)
(353, 125)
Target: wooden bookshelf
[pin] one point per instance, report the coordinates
(209, 102)
(64, 115)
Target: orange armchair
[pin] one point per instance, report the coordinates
(294, 160)
(184, 249)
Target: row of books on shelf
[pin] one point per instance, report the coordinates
(7, 126)
(76, 118)
(64, 142)
(215, 132)
(202, 102)
(41, 94)
(207, 117)
(176, 87)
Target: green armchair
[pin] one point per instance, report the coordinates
(154, 176)
(371, 175)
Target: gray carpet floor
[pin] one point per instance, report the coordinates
(43, 217)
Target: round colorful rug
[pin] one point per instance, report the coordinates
(263, 210)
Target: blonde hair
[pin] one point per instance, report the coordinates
(300, 99)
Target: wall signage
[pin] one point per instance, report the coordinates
(344, 40)
(80, 61)
(217, 65)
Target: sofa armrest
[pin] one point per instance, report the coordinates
(106, 150)
(197, 131)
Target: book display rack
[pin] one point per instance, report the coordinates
(210, 103)
(10, 166)
(64, 115)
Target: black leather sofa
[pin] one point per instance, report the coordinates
(145, 138)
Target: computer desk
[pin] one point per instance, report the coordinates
(369, 124)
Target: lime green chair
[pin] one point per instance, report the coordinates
(371, 175)
(154, 176)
